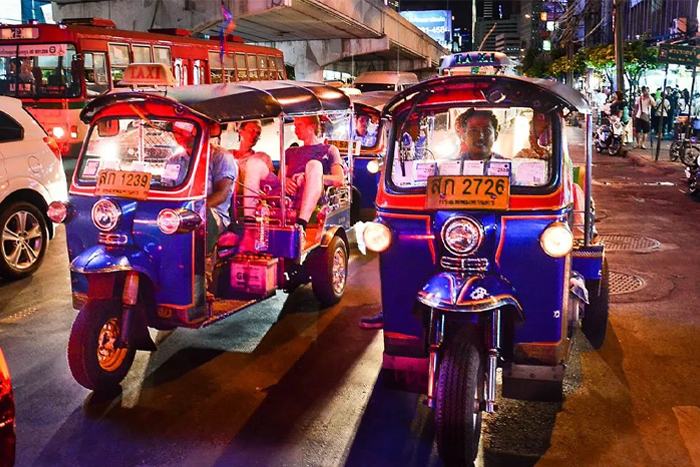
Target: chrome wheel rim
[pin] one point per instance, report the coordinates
(109, 356)
(22, 240)
(339, 270)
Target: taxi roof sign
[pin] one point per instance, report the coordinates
(147, 74)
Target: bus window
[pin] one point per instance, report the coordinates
(280, 67)
(162, 55)
(202, 71)
(39, 70)
(196, 72)
(262, 61)
(142, 53)
(229, 68)
(177, 71)
(119, 60)
(273, 71)
(241, 67)
(217, 75)
(96, 81)
(252, 67)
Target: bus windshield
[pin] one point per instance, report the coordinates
(39, 70)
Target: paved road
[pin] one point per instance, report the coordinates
(284, 383)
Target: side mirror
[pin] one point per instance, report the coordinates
(108, 127)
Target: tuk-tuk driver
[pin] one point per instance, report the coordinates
(362, 133)
(478, 133)
(223, 170)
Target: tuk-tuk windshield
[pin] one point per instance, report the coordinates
(161, 147)
(514, 142)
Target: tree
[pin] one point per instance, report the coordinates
(535, 65)
(601, 58)
(562, 65)
(638, 59)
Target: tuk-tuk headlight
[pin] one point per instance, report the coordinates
(557, 240)
(462, 235)
(377, 236)
(106, 215)
(373, 166)
(171, 221)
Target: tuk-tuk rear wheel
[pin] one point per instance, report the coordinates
(94, 360)
(459, 396)
(595, 319)
(329, 271)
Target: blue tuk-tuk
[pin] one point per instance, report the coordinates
(370, 135)
(487, 251)
(136, 218)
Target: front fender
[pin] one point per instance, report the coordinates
(101, 259)
(450, 291)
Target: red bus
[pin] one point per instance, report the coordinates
(56, 68)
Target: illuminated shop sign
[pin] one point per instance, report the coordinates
(435, 23)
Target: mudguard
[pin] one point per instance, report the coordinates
(103, 259)
(450, 291)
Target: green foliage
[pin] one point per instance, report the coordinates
(535, 65)
(639, 58)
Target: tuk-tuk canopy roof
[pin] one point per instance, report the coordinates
(232, 102)
(500, 91)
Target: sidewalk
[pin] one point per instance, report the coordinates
(644, 156)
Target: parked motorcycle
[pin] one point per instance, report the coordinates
(609, 135)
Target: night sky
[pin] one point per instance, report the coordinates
(461, 9)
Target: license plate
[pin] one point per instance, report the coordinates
(123, 184)
(468, 192)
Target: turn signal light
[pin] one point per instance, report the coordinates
(557, 240)
(74, 131)
(57, 211)
(377, 236)
(171, 221)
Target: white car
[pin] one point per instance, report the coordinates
(31, 177)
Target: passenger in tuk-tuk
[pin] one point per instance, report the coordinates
(256, 170)
(309, 168)
(540, 139)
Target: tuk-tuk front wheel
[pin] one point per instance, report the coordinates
(595, 319)
(93, 357)
(459, 397)
(329, 271)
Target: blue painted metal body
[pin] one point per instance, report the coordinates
(173, 263)
(518, 269)
(365, 181)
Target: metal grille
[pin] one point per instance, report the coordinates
(629, 243)
(621, 283)
(472, 265)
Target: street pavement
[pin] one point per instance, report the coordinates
(288, 383)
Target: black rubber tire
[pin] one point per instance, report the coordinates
(595, 319)
(674, 151)
(82, 346)
(459, 394)
(321, 267)
(693, 187)
(689, 155)
(7, 219)
(614, 147)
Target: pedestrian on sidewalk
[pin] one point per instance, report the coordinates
(642, 117)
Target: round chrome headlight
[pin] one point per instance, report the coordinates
(462, 235)
(557, 240)
(106, 215)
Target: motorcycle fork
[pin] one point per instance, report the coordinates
(436, 333)
(130, 296)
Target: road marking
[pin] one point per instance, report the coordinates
(689, 424)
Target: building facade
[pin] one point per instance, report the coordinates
(486, 31)
(660, 20)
